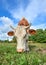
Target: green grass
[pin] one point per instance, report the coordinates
(9, 56)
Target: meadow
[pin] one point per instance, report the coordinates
(36, 55)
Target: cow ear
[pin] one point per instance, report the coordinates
(10, 33)
(31, 31)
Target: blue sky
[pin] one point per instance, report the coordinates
(11, 11)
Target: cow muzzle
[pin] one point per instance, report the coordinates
(20, 50)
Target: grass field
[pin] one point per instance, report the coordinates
(36, 55)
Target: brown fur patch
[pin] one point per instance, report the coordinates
(23, 22)
(10, 33)
(31, 31)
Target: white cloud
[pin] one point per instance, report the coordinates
(5, 27)
(41, 26)
(34, 8)
(6, 22)
(4, 36)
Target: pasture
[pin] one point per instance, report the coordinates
(36, 55)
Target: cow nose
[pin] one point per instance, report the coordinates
(20, 50)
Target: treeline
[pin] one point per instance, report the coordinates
(39, 37)
(7, 41)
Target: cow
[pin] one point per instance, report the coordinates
(21, 33)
